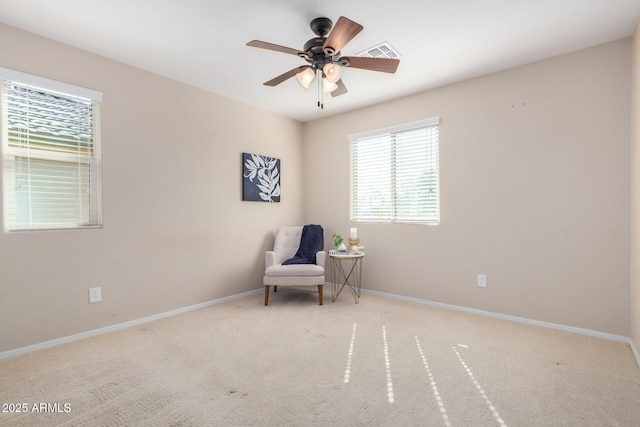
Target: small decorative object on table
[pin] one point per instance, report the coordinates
(338, 242)
(356, 250)
(354, 243)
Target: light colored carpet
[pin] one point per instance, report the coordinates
(382, 362)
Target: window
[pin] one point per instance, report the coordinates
(50, 147)
(394, 174)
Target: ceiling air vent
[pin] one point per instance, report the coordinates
(383, 50)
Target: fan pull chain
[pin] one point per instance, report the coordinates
(320, 92)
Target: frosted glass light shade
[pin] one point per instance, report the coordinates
(333, 72)
(306, 77)
(328, 87)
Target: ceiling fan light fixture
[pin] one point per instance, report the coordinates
(332, 71)
(306, 77)
(328, 86)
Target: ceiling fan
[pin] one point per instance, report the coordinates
(324, 61)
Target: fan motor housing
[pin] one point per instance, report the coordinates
(317, 56)
(314, 46)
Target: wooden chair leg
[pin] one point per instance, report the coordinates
(320, 287)
(266, 294)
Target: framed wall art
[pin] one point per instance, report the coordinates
(260, 178)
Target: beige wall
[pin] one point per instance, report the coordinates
(534, 167)
(635, 193)
(176, 232)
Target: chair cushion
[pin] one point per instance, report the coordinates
(280, 270)
(287, 241)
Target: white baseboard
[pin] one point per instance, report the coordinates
(635, 352)
(565, 328)
(107, 329)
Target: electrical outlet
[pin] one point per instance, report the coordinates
(95, 295)
(482, 280)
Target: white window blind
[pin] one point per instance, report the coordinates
(51, 167)
(394, 174)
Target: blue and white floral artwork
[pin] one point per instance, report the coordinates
(260, 178)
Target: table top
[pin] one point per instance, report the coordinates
(346, 255)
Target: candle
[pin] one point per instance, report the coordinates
(354, 233)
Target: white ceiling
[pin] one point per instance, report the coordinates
(202, 42)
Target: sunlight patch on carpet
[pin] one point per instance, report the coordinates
(475, 382)
(434, 387)
(347, 371)
(387, 366)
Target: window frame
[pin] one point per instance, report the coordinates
(395, 214)
(11, 156)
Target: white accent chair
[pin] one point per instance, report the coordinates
(285, 247)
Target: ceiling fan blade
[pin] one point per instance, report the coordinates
(341, 90)
(285, 76)
(343, 32)
(277, 48)
(384, 65)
